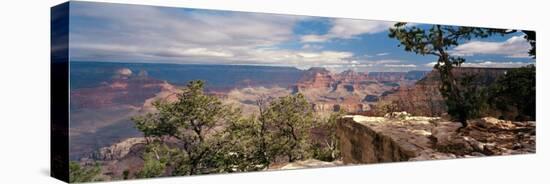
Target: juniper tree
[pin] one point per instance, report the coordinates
(327, 147)
(280, 130)
(436, 41)
(292, 118)
(78, 173)
(515, 94)
(194, 122)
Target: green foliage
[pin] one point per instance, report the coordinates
(126, 174)
(281, 130)
(156, 159)
(191, 122)
(198, 134)
(78, 173)
(250, 146)
(473, 96)
(152, 167)
(291, 117)
(328, 149)
(435, 41)
(515, 92)
(530, 36)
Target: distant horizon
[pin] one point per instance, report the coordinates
(228, 64)
(281, 66)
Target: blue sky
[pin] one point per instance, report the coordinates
(133, 33)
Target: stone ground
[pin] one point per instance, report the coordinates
(401, 137)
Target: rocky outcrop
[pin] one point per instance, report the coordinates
(379, 139)
(371, 98)
(315, 78)
(412, 75)
(168, 93)
(310, 163)
(424, 98)
(123, 73)
(347, 90)
(387, 76)
(247, 98)
(484, 76)
(402, 137)
(119, 91)
(117, 151)
(420, 100)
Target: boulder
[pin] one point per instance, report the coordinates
(118, 150)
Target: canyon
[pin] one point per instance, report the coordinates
(102, 131)
(101, 113)
(349, 90)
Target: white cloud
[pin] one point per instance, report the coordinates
(489, 64)
(519, 55)
(314, 38)
(206, 52)
(384, 61)
(349, 28)
(383, 54)
(430, 64)
(400, 65)
(152, 34)
(492, 64)
(312, 46)
(514, 47)
(142, 33)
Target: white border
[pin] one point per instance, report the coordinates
(24, 116)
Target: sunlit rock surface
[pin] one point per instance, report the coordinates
(310, 163)
(402, 137)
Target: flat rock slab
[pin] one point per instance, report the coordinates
(379, 139)
(401, 137)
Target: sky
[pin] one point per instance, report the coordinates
(104, 32)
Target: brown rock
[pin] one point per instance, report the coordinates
(377, 139)
(118, 150)
(310, 163)
(389, 139)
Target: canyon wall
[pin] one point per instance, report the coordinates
(424, 98)
(350, 90)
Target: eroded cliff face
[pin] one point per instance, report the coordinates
(379, 139)
(401, 137)
(349, 90)
(119, 150)
(424, 98)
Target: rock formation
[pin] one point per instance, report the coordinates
(310, 163)
(100, 116)
(117, 151)
(315, 78)
(402, 137)
(349, 90)
(125, 91)
(424, 98)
